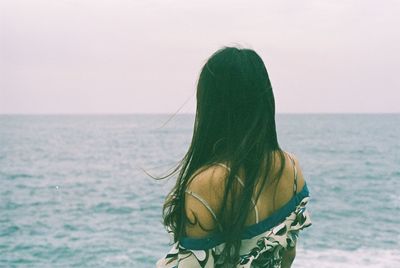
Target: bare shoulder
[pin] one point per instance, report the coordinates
(285, 186)
(203, 198)
(208, 180)
(296, 168)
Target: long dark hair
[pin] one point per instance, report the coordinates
(234, 124)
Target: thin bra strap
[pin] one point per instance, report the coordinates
(204, 202)
(295, 174)
(242, 184)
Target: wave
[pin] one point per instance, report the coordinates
(377, 258)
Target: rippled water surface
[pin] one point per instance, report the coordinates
(73, 192)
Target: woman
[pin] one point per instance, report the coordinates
(239, 200)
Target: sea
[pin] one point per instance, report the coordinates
(75, 190)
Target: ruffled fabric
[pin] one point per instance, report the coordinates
(262, 250)
(269, 248)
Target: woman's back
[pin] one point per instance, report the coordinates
(208, 184)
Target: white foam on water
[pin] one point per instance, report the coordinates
(119, 260)
(379, 258)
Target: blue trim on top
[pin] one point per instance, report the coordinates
(214, 239)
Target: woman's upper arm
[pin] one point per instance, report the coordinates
(199, 220)
(202, 203)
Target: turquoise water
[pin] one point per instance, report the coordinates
(72, 192)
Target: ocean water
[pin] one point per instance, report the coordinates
(73, 192)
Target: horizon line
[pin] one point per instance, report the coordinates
(171, 113)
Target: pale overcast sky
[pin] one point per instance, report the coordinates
(144, 56)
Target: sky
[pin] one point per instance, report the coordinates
(145, 56)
